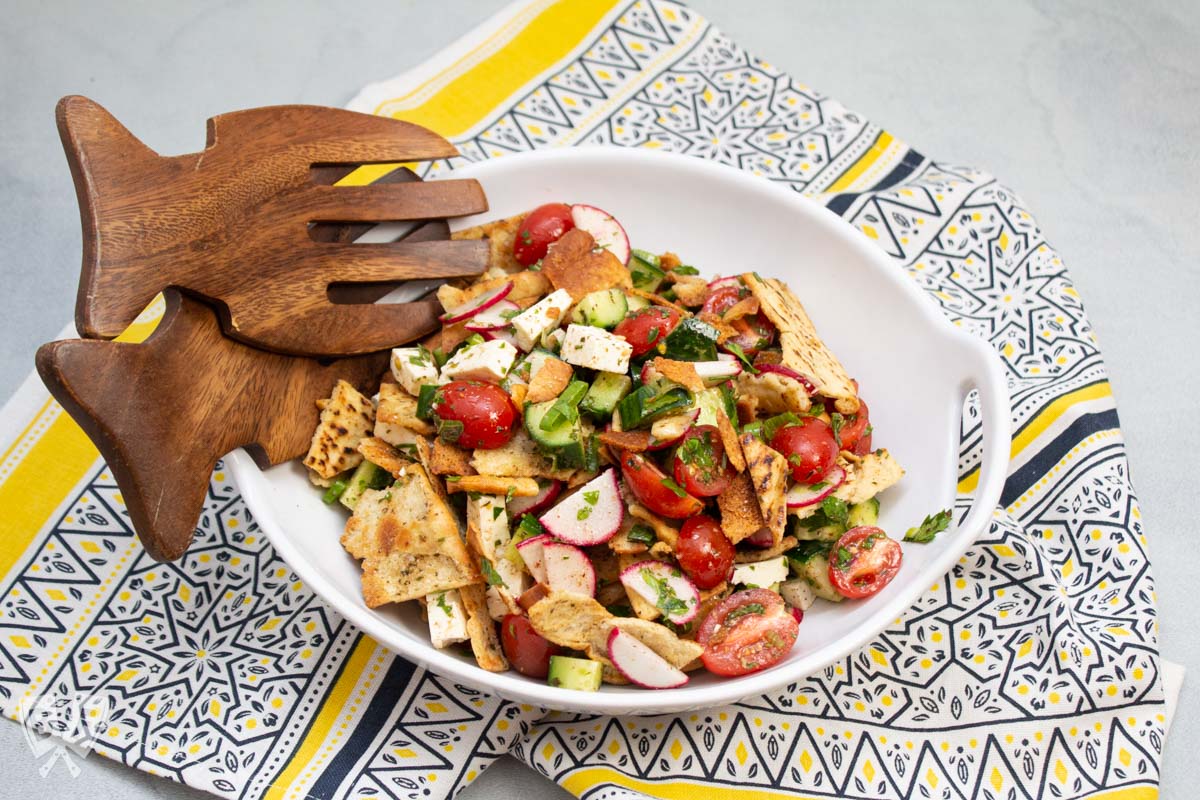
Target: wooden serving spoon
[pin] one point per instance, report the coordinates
(233, 224)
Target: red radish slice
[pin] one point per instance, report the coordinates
(802, 494)
(568, 569)
(503, 334)
(532, 554)
(797, 614)
(728, 280)
(669, 430)
(640, 664)
(531, 505)
(726, 357)
(714, 373)
(496, 316)
(665, 587)
(592, 515)
(473, 307)
(788, 372)
(607, 232)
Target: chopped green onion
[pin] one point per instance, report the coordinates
(335, 491)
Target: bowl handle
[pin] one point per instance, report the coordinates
(986, 374)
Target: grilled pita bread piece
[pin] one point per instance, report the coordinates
(398, 409)
(549, 381)
(449, 459)
(492, 484)
(741, 516)
(766, 553)
(519, 459)
(573, 263)
(500, 236)
(385, 456)
(803, 350)
(873, 473)
(679, 652)
(567, 619)
(408, 541)
(772, 393)
(346, 417)
(768, 473)
(485, 644)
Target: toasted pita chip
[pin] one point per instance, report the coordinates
(725, 331)
(767, 553)
(518, 393)
(659, 301)
(729, 438)
(447, 338)
(691, 290)
(772, 393)
(803, 349)
(399, 408)
(408, 541)
(317, 480)
(873, 473)
(573, 264)
(519, 458)
(449, 459)
(384, 455)
(741, 516)
(346, 418)
(681, 372)
(630, 441)
(745, 307)
(500, 235)
(485, 644)
(665, 531)
(621, 544)
(768, 471)
(567, 619)
(549, 381)
(492, 484)
(668, 261)
(657, 637)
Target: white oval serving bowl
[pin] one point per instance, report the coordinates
(914, 367)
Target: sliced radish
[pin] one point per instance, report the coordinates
(640, 664)
(665, 587)
(803, 494)
(714, 373)
(728, 280)
(607, 232)
(496, 316)
(788, 372)
(532, 505)
(568, 569)
(592, 515)
(531, 551)
(726, 357)
(481, 303)
(669, 430)
(503, 334)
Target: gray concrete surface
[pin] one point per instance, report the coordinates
(1091, 110)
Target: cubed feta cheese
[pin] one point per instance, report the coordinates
(395, 435)
(554, 339)
(497, 605)
(486, 361)
(761, 573)
(544, 315)
(447, 618)
(595, 348)
(489, 516)
(413, 368)
(797, 593)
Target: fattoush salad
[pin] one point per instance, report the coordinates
(604, 468)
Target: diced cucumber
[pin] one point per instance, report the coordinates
(565, 442)
(366, 476)
(581, 674)
(524, 370)
(601, 309)
(710, 402)
(646, 271)
(636, 303)
(824, 533)
(864, 513)
(607, 389)
(816, 572)
(692, 340)
(645, 404)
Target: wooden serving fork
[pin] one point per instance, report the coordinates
(235, 223)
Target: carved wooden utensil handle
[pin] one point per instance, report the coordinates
(233, 224)
(163, 412)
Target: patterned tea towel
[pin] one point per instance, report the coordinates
(1030, 671)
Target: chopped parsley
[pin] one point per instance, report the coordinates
(836, 510)
(674, 487)
(526, 238)
(583, 513)
(489, 573)
(641, 534)
(497, 511)
(652, 336)
(443, 605)
(666, 600)
(449, 430)
(930, 527)
(837, 422)
(592, 497)
(742, 611)
(736, 349)
(685, 269)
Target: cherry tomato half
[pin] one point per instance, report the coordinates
(484, 412)
(646, 328)
(700, 465)
(648, 484)
(863, 561)
(704, 552)
(541, 228)
(754, 332)
(525, 648)
(723, 298)
(810, 449)
(855, 434)
(747, 631)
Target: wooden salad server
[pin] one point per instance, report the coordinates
(234, 224)
(163, 411)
